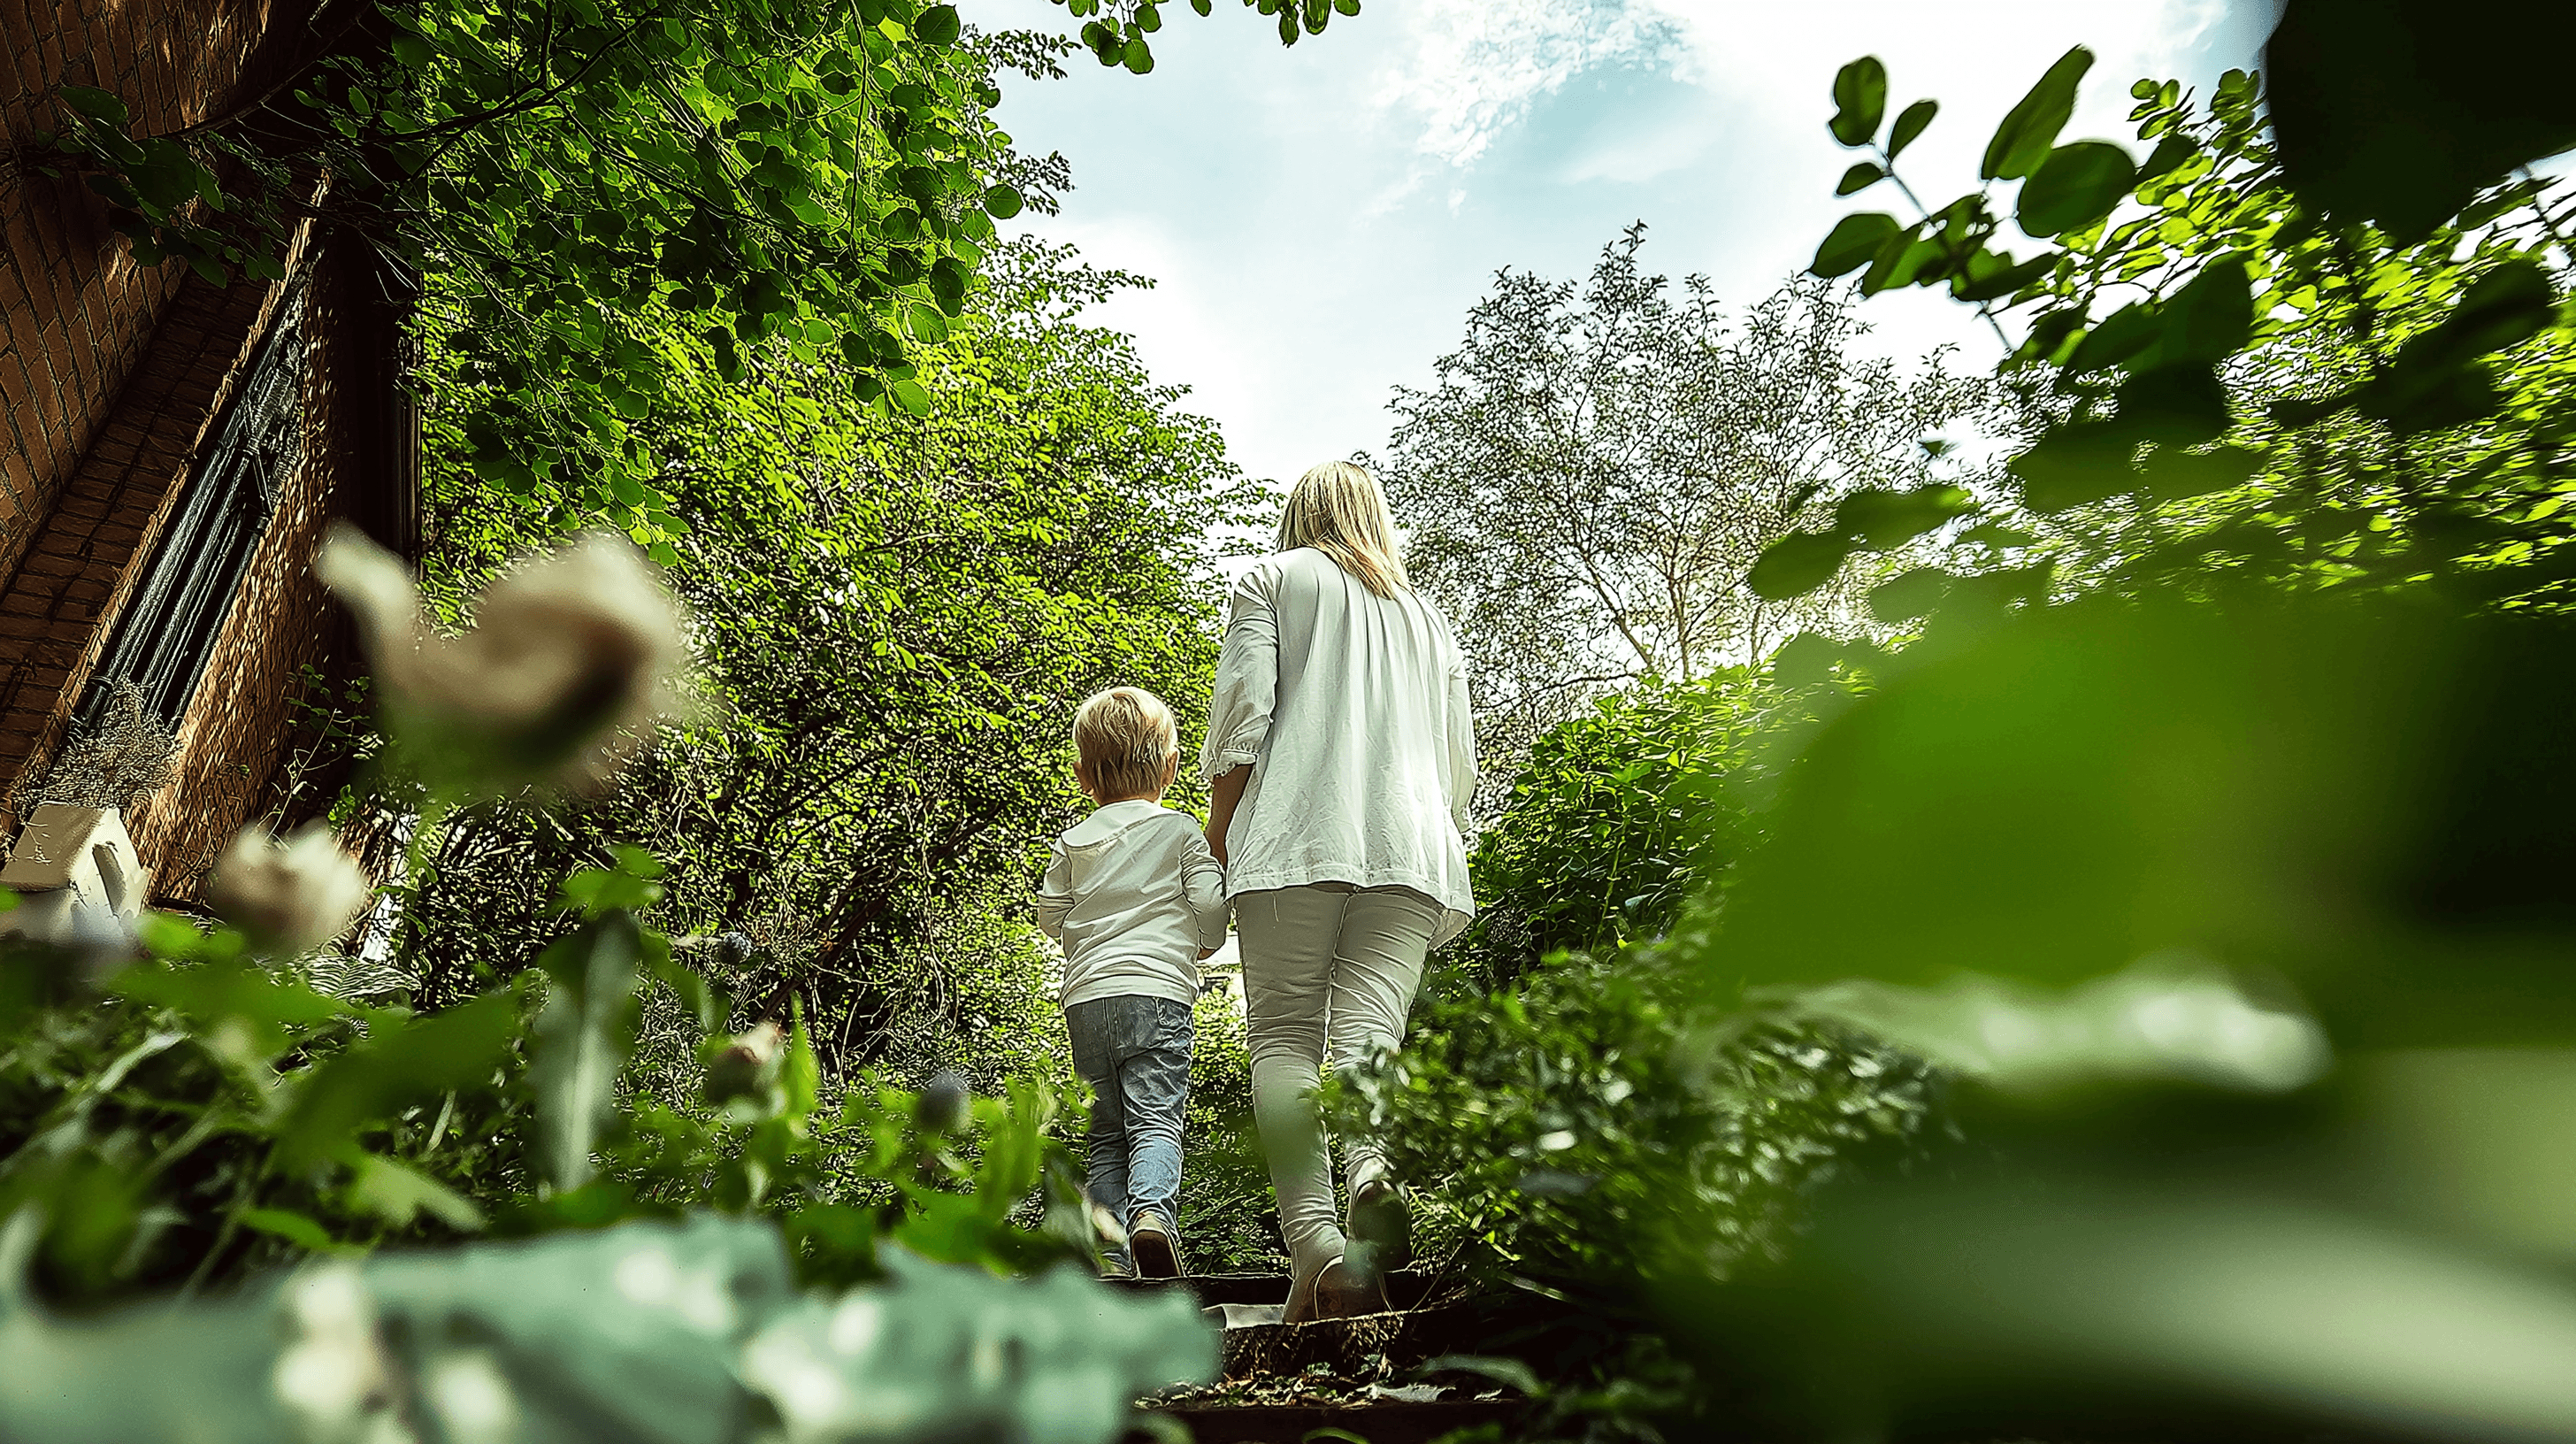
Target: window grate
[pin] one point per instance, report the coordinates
(167, 635)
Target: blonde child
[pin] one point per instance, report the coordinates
(1136, 898)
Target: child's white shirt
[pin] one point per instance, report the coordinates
(1134, 896)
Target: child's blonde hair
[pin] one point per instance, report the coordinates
(1337, 509)
(1127, 743)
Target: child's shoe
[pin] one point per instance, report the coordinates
(1151, 1244)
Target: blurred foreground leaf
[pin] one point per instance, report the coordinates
(670, 1334)
(2369, 804)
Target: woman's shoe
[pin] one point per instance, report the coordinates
(1300, 1308)
(1335, 1291)
(1341, 1292)
(1381, 1230)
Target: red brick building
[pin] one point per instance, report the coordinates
(170, 450)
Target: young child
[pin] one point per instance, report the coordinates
(1136, 899)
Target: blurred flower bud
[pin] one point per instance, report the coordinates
(570, 661)
(734, 951)
(288, 896)
(942, 1105)
(748, 1066)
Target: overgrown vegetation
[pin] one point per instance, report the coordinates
(2198, 861)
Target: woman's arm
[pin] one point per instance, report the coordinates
(1246, 688)
(1224, 794)
(1459, 724)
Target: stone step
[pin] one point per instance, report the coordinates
(1405, 1288)
(1390, 1421)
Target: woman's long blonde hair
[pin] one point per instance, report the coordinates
(1337, 509)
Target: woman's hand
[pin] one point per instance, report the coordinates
(1224, 795)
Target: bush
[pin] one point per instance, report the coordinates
(1618, 817)
(1571, 1107)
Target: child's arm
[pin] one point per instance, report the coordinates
(1055, 896)
(1203, 879)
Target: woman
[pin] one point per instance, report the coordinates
(1340, 762)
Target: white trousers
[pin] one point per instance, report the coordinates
(1329, 973)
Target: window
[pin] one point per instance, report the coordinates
(165, 638)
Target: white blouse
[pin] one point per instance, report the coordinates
(1351, 710)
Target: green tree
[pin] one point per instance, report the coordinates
(898, 615)
(600, 199)
(1597, 469)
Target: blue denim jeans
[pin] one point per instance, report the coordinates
(1135, 1053)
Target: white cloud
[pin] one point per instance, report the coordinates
(1320, 218)
(1469, 70)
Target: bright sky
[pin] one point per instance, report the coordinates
(1319, 219)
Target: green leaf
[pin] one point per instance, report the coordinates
(1909, 124)
(1881, 518)
(1805, 660)
(2077, 185)
(1853, 240)
(2400, 112)
(398, 1194)
(937, 27)
(1797, 564)
(98, 105)
(1990, 274)
(1860, 177)
(2207, 321)
(2176, 405)
(1001, 202)
(909, 395)
(1904, 260)
(295, 1228)
(2508, 305)
(2298, 411)
(2171, 475)
(2170, 152)
(2129, 330)
(456, 1049)
(800, 1075)
(2049, 337)
(258, 1011)
(2075, 465)
(1860, 100)
(1911, 594)
(582, 1039)
(2453, 396)
(2029, 129)
(1138, 56)
(927, 325)
(948, 284)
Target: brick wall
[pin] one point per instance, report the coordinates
(234, 740)
(112, 380)
(78, 312)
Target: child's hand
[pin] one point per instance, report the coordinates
(1206, 953)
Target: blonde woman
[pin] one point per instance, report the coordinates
(1340, 762)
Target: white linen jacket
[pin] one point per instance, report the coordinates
(1351, 709)
(1134, 896)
